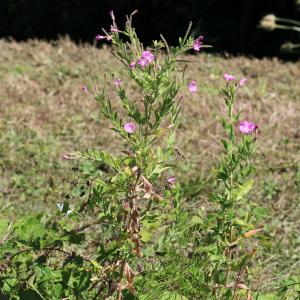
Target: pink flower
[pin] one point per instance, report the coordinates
(142, 62)
(198, 43)
(242, 81)
(113, 29)
(85, 89)
(130, 127)
(118, 82)
(228, 77)
(171, 180)
(146, 59)
(111, 13)
(66, 157)
(192, 86)
(148, 56)
(132, 65)
(247, 127)
(99, 37)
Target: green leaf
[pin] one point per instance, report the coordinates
(145, 235)
(244, 189)
(242, 223)
(95, 155)
(225, 144)
(29, 228)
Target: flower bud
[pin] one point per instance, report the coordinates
(268, 22)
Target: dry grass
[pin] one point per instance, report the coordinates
(43, 113)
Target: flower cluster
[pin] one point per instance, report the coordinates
(198, 43)
(248, 127)
(229, 78)
(146, 59)
(245, 127)
(113, 29)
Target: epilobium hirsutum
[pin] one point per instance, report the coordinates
(130, 127)
(192, 86)
(198, 43)
(247, 127)
(133, 196)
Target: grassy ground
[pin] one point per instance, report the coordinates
(44, 113)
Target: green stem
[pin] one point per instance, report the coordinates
(288, 21)
(230, 184)
(285, 27)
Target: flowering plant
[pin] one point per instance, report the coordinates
(106, 245)
(213, 248)
(126, 205)
(136, 201)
